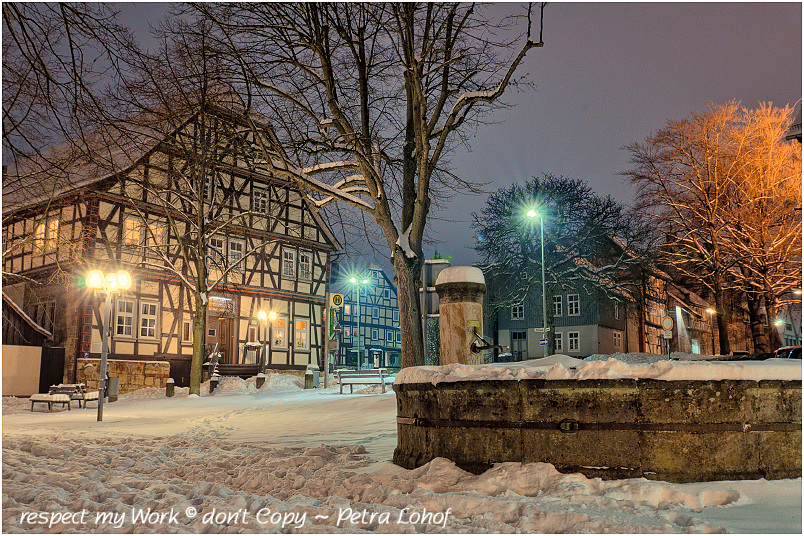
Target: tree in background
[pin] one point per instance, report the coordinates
(368, 99)
(719, 186)
(590, 242)
(763, 235)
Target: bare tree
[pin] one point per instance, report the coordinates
(723, 188)
(368, 98)
(763, 234)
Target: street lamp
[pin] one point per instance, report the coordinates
(533, 214)
(110, 283)
(269, 318)
(358, 283)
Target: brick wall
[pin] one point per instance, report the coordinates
(133, 374)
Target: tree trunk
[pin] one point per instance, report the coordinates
(199, 332)
(774, 339)
(722, 322)
(408, 274)
(758, 334)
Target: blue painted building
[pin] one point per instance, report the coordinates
(370, 337)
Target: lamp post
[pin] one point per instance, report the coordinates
(533, 214)
(110, 283)
(267, 319)
(358, 283)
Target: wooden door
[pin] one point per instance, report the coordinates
(225, 340)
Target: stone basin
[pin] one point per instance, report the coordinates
(676, 431)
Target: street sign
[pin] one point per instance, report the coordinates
(543, 342)
(668, 334)
(667, 323)
(336, 300)
(540, 330)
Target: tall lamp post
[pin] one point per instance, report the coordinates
(109, 284)
(358, 283)
(267, 321)
(533, 214)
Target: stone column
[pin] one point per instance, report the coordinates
(460, 301)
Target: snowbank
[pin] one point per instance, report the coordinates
(560, 367)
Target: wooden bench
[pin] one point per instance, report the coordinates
(362, 377)
(243, 370)
(55, 396)
(65, 394)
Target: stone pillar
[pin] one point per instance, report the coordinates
(460, 301)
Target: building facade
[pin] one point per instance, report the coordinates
(369, 332)
(269, 252)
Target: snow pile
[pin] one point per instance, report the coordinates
(12, 404)
(178, 485)
(558, 367)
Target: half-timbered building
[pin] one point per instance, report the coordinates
(262, 240)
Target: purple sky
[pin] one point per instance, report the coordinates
(610, 74)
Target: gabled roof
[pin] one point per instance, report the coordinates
(109, 150)
(25, 318)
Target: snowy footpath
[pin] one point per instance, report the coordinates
(284, 459)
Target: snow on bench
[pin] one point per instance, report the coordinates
(64, 394)
(362, 377)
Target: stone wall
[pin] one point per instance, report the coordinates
(677, 431)
(133, 374)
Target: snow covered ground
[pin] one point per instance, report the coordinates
(284, 459)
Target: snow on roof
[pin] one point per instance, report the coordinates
(461, 274)
(563, 367)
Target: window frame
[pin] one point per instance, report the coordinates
(558, 305)
(260, 198)
(240, 244)
(288, 270)
(142, 316)
(306, 267)
(186, 331)
(617, 341)
(305, 330)
(132, 231)
(279, 327)
(132, 315)
(518, 311)
(577, 339)
(217, 251)
(558, 342)
(375, 312)
(375, 334)
(573, 300)
(52, 233)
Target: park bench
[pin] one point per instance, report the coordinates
(243, 370)
(64, 394)
(362, 377)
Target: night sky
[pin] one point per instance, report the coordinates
(609, 75)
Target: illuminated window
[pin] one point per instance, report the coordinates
(280, 333)
(133, 232)
(187, 331)
(39, 236)
(52, 233)
(301, 335)
(157, 234)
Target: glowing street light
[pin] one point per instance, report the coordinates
(358, 283)
(110, 283)
(533, 214)
(266, 317)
